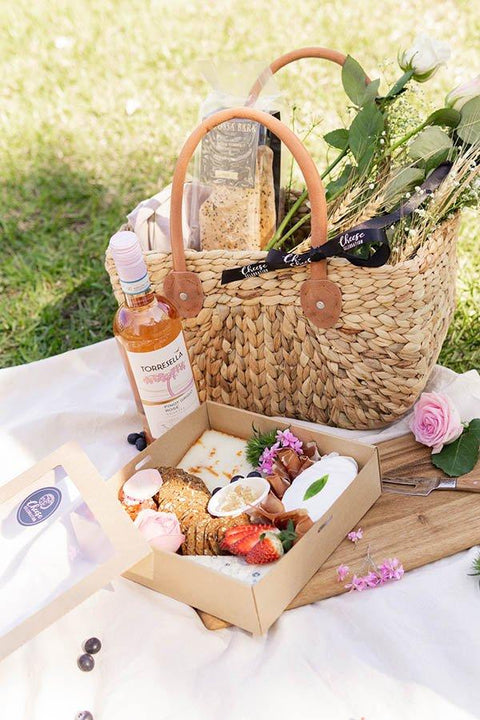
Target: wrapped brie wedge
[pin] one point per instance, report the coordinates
(317, 487)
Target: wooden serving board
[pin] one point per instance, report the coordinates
(417, 530)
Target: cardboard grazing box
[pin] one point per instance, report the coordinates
(251, 607)
(63, 509)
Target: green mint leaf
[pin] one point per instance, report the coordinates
(315, 487)
(460, 456)
(337, 138)
(354, 80)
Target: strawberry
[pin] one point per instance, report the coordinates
(232, 535)
(238, 530)
(241, 539)
(246, 543)
(268, 549)
(271, 546)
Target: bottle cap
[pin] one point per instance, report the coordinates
(127, 256)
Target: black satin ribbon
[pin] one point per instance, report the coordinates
(371, 232)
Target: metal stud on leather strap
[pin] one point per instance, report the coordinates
(321, 301)
(184, 289)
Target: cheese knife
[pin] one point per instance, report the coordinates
(425, 485)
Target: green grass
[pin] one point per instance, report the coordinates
(72, 162)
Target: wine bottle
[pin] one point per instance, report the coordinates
(149, 334)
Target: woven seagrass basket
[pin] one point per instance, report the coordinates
(352, 350)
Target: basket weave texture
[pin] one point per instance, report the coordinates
(252, 347)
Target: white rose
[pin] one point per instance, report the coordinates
(463, 93)
(424, 57)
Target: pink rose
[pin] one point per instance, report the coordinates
(160, 529)
(436, 421)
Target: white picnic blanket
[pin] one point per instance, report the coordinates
(406, 650)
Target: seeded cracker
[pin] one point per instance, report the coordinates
(187, 497)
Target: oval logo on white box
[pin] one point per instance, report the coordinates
(39, 506)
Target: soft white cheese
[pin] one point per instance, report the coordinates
(340, 472)
(215, 458)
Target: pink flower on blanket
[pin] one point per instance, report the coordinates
(358, 584)
(355, 535)
(391, 570)
(342, 572)
(435, 421)
(386, 572)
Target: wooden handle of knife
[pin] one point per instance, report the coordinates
(468, 484)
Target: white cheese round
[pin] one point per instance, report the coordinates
(309, 491)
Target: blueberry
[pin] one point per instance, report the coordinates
(84, 715)
(132, 438)
(92, 645)
(141, 443)
(85, 662)
(237, 477)
(254, 473)
(143, 434)
(215, 490)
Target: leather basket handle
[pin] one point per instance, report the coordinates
(307, 52)
(302, 53)
(320, 298)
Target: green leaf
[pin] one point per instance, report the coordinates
(397, 88)
(365, 161)
(315, 487)
(460, 456)
(476, 565)
(336, 186)
(371, 91)
(288, 536)
(401, 183)
(474, 428)
(431, 147)
(337, 138)
(354, 80)
(364, 130)
(365, 251)
(257, 444)
(468, 128)
(447, 117)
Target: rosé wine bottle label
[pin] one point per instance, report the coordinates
(165, 384)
